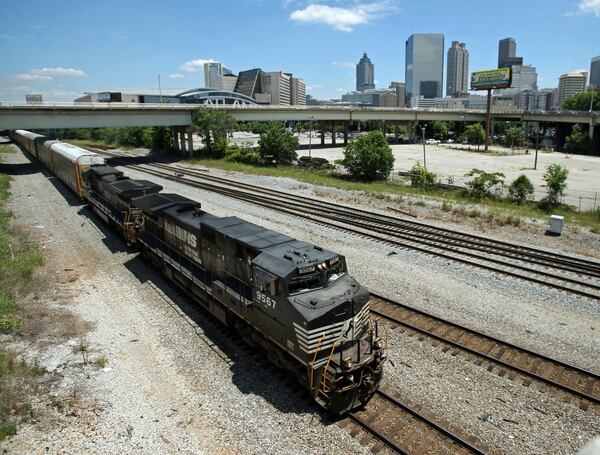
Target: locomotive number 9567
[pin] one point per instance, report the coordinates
(266, 300)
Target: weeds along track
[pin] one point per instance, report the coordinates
(567, 273)
(571, 383)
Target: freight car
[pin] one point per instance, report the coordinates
(293, 299)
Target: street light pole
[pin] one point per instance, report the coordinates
(537, 141)
(310, 126)
(423, 128)
(159, 89)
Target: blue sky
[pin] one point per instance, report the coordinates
(62, 48)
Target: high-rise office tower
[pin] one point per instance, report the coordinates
(571, 84)
(365, 74)
(595, 73)
(507, 53)
(297, 92)
(457, 73)
(424, 68)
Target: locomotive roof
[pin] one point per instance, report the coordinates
(76, 154)
(153, 204)
(131, 188)
(285, 258)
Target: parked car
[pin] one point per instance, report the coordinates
(432, 142)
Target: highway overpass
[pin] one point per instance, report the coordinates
(102, 115)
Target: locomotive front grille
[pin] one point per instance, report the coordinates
(325, 337)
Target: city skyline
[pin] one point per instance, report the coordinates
(62, 52)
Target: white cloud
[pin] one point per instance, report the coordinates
(46, 74)
(195, 65)
(344, 64)
(590, 6)
(340, 18)
(176, 76)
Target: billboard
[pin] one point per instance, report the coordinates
(491, 79)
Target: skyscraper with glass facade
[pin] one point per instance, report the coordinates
(507, 53)
(424, 68)
(595, 73)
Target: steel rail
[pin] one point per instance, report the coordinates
(453, 437)
(459, 236)
(283, 207)
(484, 242)
(589, 376)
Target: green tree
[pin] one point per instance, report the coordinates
(484, 184)
(440, 129)
(474, 134)
(578, 141)
(514, 136)
(556, 184)
(242, 154)
(521, 189)
(420, 176)
(277, 145)
(162, 138)
(214, 125)
(369, 157)
(582, 101)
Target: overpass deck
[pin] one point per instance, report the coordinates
(101, 115)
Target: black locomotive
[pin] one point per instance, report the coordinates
(293, 299)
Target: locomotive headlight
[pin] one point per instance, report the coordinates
(378, 344)
(347, 363)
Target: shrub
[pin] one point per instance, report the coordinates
(242, 154)
(277, 145)
(521, 189)
(484, 184)
(446, 206)
(420, 176)
(369, 157)
(556, 184)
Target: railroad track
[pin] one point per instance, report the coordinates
(405, 430)
(575, 275)
(574, 384)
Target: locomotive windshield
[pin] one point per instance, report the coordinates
(322, 277)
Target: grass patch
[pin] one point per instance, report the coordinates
(384, 188)
(4, 148)
(18, 260)
(100, 362)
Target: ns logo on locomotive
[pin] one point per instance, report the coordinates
(293, 299)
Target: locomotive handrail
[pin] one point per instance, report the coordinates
(312, 365)
(327, 366)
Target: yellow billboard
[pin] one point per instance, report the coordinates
(491, 79)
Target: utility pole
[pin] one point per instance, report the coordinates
(423, 128)
(159, 89)
(310, 127)
(488, 117)
(537, 141)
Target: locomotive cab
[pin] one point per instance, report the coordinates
(326, 314)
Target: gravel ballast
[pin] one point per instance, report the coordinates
(174, 382)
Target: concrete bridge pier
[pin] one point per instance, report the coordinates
(322, 135)
(175, 139)
(190, 141)
(346, 125)
(332, 133)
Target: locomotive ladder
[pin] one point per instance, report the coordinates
(132, 223)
